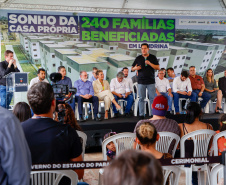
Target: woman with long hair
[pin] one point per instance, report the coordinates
(211, 87)
(22, 111)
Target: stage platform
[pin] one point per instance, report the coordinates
(96, 130)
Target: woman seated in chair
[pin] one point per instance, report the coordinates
(211, 87)
(146, 137)
(102, 91)
(191, 124)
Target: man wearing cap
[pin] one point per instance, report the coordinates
(162, 124)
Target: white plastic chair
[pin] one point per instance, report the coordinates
(111, 111)
(136, 100)
(85, 104)
(165, 141)
(122, 141)
(215, 139)
(84, 139)
(201, 139)
(174, 173)
(217, 174)
(52, 177)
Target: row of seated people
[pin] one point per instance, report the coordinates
(190, 86)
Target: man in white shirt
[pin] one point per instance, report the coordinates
(171, 76)
(182, 89)
(120, 89)
(163, 88)
(40, 78)
(125, 71)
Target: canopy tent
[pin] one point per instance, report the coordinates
(171, 7)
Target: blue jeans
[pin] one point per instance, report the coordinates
(176, 97)
(5, 98)
(169, 98)
(142, 95)
(205, 97)
(129, 104)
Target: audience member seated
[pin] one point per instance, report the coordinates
(110, 147)
(120, 89)
(128, 80)
(146, 137)
(49, 141)
(68, 117)
(94, 77)
(22, 111)
(163, 88)
(182, 89)
(161, 123)
(40, 78)
(222, 84)
(171, 76)
(102, 91)
(198, 87)
(191, 124)
(66, 81)
(211, 88)
(133, 167)
(15, 166)
(85, 93)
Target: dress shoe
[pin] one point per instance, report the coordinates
(127, 115)
(81, 120)
(97, 119)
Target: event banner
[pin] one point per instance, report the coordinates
(36, 23)
(114, 29)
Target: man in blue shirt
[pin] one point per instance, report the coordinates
(94, 77)
(85, 93)
(66, 81)
(15, 155)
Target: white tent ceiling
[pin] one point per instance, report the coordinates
(183, 7)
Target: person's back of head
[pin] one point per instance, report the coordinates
(40, 97)
(146, 133)
(193, 111)
(133, 167)
(69, 117)
(22, 111)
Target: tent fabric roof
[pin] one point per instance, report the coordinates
(203, 7)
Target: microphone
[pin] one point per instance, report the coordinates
(55, 77)
(145, 58)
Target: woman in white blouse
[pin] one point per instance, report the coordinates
(102, 91)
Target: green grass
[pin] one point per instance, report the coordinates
(2, 52)
(29, 68)
(18, 53)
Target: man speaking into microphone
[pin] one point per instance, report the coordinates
(145, 64)
(6, 67)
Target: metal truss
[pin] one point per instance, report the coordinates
(82, 9)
